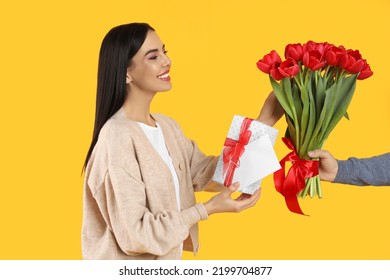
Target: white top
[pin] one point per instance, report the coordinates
(156, 138)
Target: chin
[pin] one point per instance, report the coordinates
(166, 88)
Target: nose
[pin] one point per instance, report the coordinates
(166, 60)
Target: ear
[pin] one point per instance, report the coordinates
(128, 78)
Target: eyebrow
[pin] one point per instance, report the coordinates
(153, 50)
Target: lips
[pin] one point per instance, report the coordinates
(164, 76)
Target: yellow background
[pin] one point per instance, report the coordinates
(48, 59)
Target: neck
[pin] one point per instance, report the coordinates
(137, 108)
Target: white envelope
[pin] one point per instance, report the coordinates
(257, 161)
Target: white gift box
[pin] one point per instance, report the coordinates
(257, 161)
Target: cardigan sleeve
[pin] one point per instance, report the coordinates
(122, 202)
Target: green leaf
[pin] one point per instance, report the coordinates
(345, 89)
(305, 115)
(283, 93)
(291, 130)
(281, 96)
(320, 95)
(346, 115)
(296, 99)
(286, 85)
(310, 125)
(324, 116)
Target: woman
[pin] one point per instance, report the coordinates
(141, 171)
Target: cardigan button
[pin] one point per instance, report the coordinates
(181, 166)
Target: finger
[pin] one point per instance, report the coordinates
(232, 188)
(251, 201)
(243, 196)
(319, 154)
(255, 197)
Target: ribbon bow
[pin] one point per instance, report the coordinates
(294, 182)
(234, 149)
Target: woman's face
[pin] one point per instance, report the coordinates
(149, 70)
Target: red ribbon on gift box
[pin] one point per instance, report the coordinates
(234, 149)
(289, 186)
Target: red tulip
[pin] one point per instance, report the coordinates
(313, 60)
(352, 62)
(356, 54)
(333, 55)
(309, 46)
(269, 61)
(295, 51)
(275, 73)
(366, 72)
(313, 46)
(289, 68)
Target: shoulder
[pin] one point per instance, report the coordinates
(115, 130)
(116, 139)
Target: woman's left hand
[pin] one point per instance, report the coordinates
(271, 111)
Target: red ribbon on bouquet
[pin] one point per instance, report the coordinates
(234, 149)
(289, 186)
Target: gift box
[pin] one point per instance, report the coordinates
(247, 155)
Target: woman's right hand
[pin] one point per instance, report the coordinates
(223, 202)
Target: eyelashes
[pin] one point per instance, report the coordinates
(154, 57)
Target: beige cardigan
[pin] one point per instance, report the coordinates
(129, 204)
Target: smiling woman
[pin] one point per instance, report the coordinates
(141, 171)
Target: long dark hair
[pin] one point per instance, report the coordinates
(116, 52)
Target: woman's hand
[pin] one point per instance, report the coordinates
(213, 186)
(271, 111)
(223, 202)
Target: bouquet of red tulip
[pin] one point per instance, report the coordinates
(314, 85)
